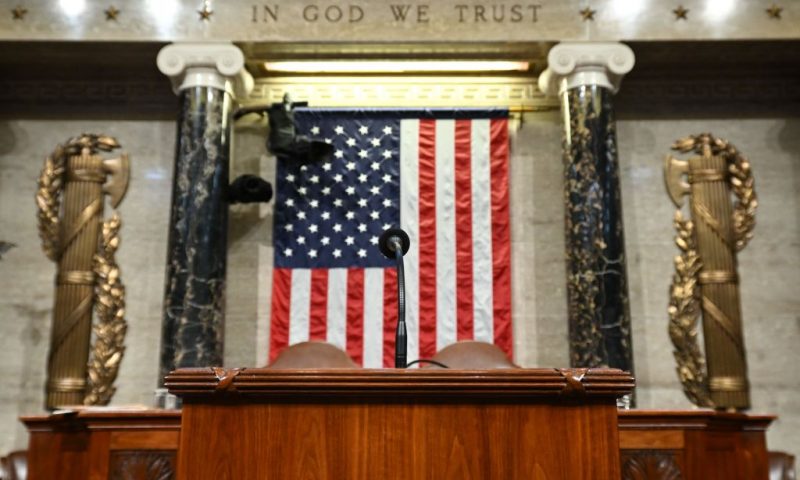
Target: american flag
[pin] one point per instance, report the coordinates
(442, 176)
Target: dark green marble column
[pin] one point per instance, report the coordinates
(194, 301)
(586, 76)
(205, 77)
(597, 289)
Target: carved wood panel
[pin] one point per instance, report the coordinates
(142, 465)
(651, 465)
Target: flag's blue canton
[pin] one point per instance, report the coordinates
(330, 214)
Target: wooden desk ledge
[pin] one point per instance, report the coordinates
(416, 383)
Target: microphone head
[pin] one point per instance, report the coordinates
(384, 243)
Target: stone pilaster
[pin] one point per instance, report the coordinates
(586, 76)
(207, 78)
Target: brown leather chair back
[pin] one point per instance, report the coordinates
(14, 466)
(781, 466)
(313, 355)
(471, 355)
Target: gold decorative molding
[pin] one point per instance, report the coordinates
(515, 93)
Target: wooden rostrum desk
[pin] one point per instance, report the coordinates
(693, 445)
(353, 424)
(143, 445)
(96, 444)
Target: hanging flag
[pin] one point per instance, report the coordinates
(440, 175)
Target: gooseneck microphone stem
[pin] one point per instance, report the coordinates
(394, 243)
(401, 337)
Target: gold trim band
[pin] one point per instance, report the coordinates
(86, 175)
(75, 277)
(727, 384)
(67, 385)
(707, 175)
(717, 276)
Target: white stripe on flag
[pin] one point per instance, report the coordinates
(445, 234)
(482, 232)
(337, 307)
(409, 221)
(373, 318)
(299, 305)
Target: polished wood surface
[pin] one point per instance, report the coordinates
(654, 445)
(303, 384)
(693, 445)
(103, 445)
(399, 424)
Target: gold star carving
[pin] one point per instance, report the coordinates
(588, 14)
(19, 13)
(111, 13)
(774, 12)
(681, 13)
(205, 12)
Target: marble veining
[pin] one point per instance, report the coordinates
(194, 302)
(597, 291)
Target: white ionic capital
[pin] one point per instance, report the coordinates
(215, 65)
(572, 65)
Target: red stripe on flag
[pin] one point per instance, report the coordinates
(463, 164)
(389, 315)
(501, 236)
(279, 318)
(318, 309)
(355, 314)
(427, 238)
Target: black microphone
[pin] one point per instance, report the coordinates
(394, 243)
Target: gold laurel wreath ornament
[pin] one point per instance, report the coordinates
(715, 233)
(72, 186)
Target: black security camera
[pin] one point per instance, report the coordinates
(283, 139)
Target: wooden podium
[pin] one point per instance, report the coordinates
(399, 424)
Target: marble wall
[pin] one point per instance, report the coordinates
(770, 266)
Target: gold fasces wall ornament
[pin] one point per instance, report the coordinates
(706, 278)
(83, 244)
